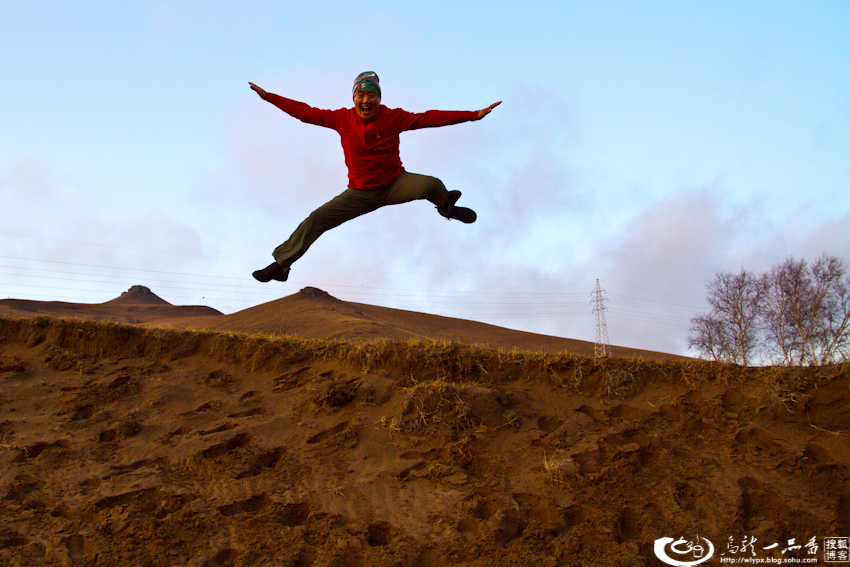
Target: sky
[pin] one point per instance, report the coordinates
(646, 145)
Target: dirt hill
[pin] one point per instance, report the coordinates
(313, 314)
(138, 295)
(142, 446)
(137, 305)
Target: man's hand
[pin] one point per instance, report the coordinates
(263, 93)
(485, 111)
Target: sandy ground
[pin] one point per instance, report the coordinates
(151, 447)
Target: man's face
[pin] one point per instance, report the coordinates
(367, 104)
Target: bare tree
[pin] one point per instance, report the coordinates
(783, 306)
(832, 328)
(706, 335)
(838, 323)
(806, 315)
(731, 331)
(795, 314)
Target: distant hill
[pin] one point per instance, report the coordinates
(313, 314)
(136, 305)
(138, 295)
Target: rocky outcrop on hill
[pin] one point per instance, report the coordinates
(138, 295)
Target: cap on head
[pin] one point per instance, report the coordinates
(367, 81)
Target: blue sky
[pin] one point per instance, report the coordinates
(646, 144)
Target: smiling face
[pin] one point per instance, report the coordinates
(367, 104)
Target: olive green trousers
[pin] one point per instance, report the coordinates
(352, 203)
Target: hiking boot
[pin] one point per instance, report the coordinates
(271, 272)
(448, 209)
(449, 198)
(462, 214)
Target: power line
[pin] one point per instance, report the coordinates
(664, 292)
(120, 268)
(651, 321)
(661, 314)
(117, 247)
(649, 311)
(528, 308)
(241, 261)
(242, 279)
(658, 302)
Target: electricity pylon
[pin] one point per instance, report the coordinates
(602, 348)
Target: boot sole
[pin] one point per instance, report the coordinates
(464, 215)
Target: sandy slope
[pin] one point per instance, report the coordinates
(147, 447)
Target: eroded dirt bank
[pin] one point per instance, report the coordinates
(147, 447)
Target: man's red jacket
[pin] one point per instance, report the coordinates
(370, 148)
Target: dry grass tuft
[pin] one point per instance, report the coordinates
(559, 469)
(436, 405)
(5, 442)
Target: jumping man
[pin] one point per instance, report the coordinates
(369, 134)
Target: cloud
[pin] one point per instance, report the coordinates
(671, 242)
(275, 165)
(830, 237)
(148, 240)
(656, 269)
(511, 169)
(62, 246)
(26, 183)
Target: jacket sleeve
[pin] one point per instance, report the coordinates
(435, 118)
(303, 112)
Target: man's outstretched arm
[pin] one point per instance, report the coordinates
(481, 113)
(299, 110)
(435, 118)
